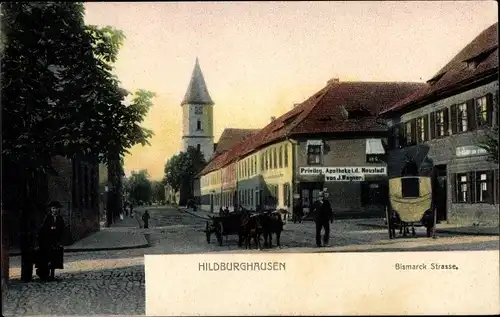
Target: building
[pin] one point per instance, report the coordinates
(316, 146)
(441, 125)
(74, 183)
(219, 189)
(197, 115)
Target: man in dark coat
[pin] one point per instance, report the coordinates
(145, 219)
(323, 215)
(51, 253)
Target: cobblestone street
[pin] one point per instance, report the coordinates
(112, 282)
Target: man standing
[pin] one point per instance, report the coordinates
(50, 240)
(145, 219)
(323, 214)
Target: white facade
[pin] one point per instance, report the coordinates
(197, 128)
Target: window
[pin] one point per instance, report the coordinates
(422, 129)
(461, 117)
(270, 158)
(275, 158)
(483, 190)
(198, 125)
(314, 154)
(315, 195)
(261, 162)
(481, 111)
(440, 123)
(286, 155)
(408, 133)
(266, 159)
(255, 164)
(280, 157)
(462, 188)
(198, 147)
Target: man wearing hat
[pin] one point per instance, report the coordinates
(50, 237)
(323, 214)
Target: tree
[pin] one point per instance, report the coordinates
(60, 97)
(140, 187)
(181, 169)
(490, 143)
(158, 191)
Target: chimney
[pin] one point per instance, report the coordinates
(273, 118)
(333, 81)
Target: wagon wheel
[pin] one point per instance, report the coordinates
(218, 232)
(207, 232)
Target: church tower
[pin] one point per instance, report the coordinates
(197, 115)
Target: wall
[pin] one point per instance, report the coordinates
(191, 136)
(70, 188)
(347, 152)
(442, 151)
(210, 189)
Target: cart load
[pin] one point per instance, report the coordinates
(410, 204)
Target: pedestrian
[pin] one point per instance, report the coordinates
(323, 216)
(145, 219)
(131, 209)
(51, 252)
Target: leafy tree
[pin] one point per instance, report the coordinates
(60, 97)
(59, 94)
(158, 191)
(180, 170)
(490, 143)
(140, 187)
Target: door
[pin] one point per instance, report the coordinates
(211, 202)
(441, 196)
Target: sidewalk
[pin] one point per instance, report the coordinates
(441, 228)
(107, 239)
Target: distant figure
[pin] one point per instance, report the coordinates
(323, 214)
(145, 219)
(298, 212)
(131, 209)
(51, 252)
(226, 211)
(221, 211)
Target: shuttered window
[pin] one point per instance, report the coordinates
(484, 187)
(408, 133)
(462, 188)
(459, 122)
(422, 128)
(280, 157)
(481, 111)
(439, 123)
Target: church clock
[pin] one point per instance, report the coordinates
(198, 110)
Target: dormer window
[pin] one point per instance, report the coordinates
(354, 113)
(435, 79)
(473, 62)
(198, 125)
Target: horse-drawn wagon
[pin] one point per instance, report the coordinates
(411, 204)
(223, 226)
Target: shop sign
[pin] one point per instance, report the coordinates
(470, 150)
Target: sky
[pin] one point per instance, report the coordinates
(259, 58)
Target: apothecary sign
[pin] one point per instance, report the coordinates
(346, 174)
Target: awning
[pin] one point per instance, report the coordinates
(374, 146)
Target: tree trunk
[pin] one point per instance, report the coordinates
(114, 192)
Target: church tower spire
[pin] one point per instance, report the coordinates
(197, 115)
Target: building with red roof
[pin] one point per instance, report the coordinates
(441, 125)
(315, 146)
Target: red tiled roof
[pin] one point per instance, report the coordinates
(322, 113)
(230, 137)
(228, 140)
(456, 72)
